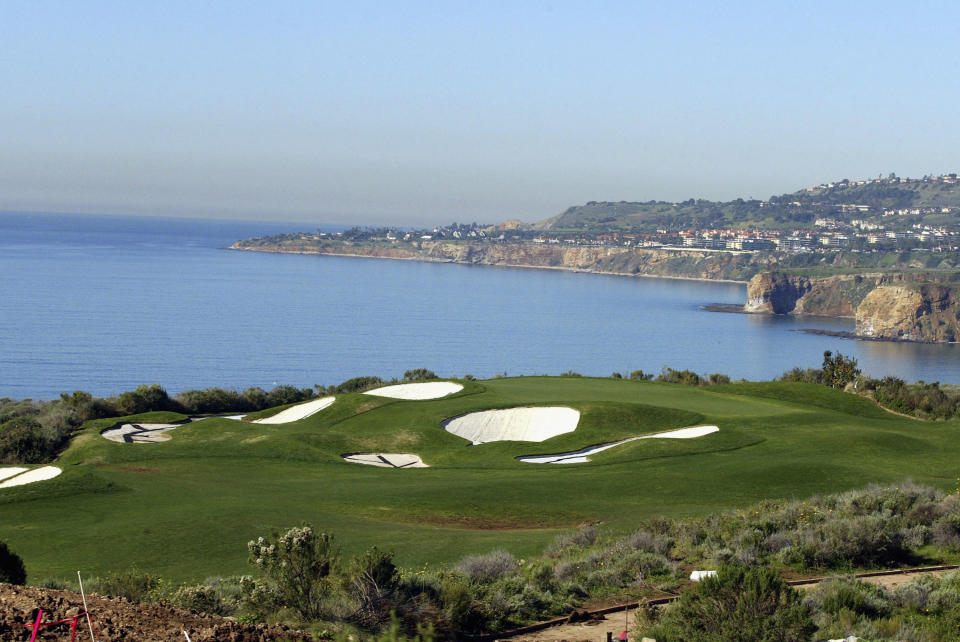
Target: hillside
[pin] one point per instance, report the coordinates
(842, 200)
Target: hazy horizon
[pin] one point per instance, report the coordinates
(425, 113)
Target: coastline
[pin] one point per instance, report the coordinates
(493, 265)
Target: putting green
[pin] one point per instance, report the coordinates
(186, 507)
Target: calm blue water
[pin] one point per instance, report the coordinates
(103, 304)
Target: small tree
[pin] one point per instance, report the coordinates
(12, 569)
(298, 567)
(839, 370)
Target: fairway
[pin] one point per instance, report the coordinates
(185, 507)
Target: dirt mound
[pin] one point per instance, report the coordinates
(122, 620)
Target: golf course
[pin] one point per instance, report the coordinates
(186, 505)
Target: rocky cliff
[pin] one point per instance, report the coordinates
(780, 293)
(894, 307)
(692, 264)
(910, 312)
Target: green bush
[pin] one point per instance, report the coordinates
(419, 374)
(132, 584)
(12, 569)
(357, 384)
(738, 604)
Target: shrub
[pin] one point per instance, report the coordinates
(640, 375)
(12, 569)
(200, 597)
(372, 581)
(357, 384)
(717, 379)
(738, 604)
(489, 567)
(582, 537)
(284, 395)
(685, 377)
(22, 441)
(298, 566)
(643, 540)
(419, 374)
(132, 584)
(836, 594)
(144, 399)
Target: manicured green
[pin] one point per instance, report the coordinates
(185, 508)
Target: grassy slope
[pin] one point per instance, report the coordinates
(186, 508)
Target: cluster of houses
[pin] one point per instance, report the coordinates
(829, 234)
(892, 179)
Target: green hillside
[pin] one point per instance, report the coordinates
(185, 508)
(783, 212)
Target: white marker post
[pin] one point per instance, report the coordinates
(89, 622)
(186, 636)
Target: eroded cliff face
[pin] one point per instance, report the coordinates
(779, 293)
(909, 312)
(616, 260)
(884, 307)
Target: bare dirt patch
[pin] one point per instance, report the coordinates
(115, 620)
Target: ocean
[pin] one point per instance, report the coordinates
(105, 303)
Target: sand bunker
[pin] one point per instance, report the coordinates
(387, 460)
(417, 391)
(298, 412)
(139, 433)
(514, 424)
(10, 472)
(581, 456)
(35, 475)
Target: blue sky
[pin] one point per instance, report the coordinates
(430, 112)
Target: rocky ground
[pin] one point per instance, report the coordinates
(121, 620)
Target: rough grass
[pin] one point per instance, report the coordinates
(185, 508)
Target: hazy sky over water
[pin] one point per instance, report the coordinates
(430, 112)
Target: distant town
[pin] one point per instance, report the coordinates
(827, 222)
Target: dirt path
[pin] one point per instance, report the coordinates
(596, 630)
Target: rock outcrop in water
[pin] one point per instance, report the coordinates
(910, 312)
(895, 307)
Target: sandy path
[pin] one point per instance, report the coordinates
(514, 424)
(417, 391)
(298, 412)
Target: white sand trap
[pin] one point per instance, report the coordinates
(417, 391)
(139, 433)
(387, 460)
(298, 412)
(514, 424)
(581, 456)
(35, 475)
(10, 472)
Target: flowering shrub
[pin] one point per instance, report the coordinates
(297, 568)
